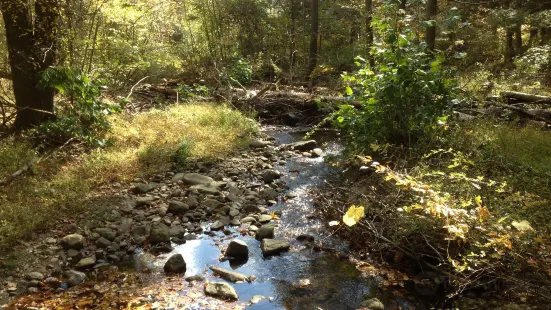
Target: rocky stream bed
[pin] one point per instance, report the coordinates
(237, 234)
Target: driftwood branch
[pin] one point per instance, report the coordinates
(538, 114)
(526, 98)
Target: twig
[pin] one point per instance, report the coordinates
(132, 89)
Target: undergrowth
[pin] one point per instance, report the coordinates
(142, 144)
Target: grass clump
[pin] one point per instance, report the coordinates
(142, 144)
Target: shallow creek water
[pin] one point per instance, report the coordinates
(301, 278)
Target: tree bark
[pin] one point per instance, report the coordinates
(369, 30)
(403, 4)
(31, 49)
(430, 37)
(509, 49)
(314, 36)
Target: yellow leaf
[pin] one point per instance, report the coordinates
(353, 215)
(523, 225)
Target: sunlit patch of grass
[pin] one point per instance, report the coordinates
(142, 144)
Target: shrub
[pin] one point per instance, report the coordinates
(403, 98)
(239, 70)
(80, 112)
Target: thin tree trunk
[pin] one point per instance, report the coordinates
(518, 41)
(314, 36)
(430, 37)
(369, 30)
(509, 48)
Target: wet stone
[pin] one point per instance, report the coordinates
(175, 264)
(221, 290)
(237, 249)
(265, 232)
(272, 247)
(228, 275)
(73, 241)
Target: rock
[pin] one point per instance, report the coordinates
(217, 225)
(237, 249)
(221, 290)
(192, 202)
(248, 219)
(265, 232)
(270, 175)
(177, 207)
(159, 233)
(316, 153)
(74, 277)
(271, 246)
(37, 276)
(268, 194)
(144, 188)
(228, 275)
(195, 278)
(73, 241)
(178, 232)
(211, 204)
(175, 264)
(265, 218)
(144, 201)
(257, 144)
(177, 177)
(103, 243)
(205, 189)
(196, 179)
(373, 304)
(304, 146)
(106, 233)
(253, 228)
(86, 262)
(256, 299)
(291, 196)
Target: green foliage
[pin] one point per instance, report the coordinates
(239, 70)
(183, 153)
(81, 113)
(535, 60)
(192, 91)
(403, 98)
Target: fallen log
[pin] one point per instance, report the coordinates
(526, 98)
(538, 114)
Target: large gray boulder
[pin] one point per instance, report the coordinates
(237, 249)
(265, 232)
(74, 277)
(270, 175)
(175, 264)
(159, 233)
(144, 188)
(196, 179)
(272, 247)
(177, 207)
(73, 241)
(304, 146)
(221, 290)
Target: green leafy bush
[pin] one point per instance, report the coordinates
(238, 70)
(405, 97)
(191, 91)
(183, 153)
(80, 113)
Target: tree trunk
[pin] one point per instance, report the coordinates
(314, 36)
(518, 40)
(533, 37)
(369, 30)
(509, 49)
(31, 49)
(403, 4)
(430, 37)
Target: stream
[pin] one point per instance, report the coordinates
(302, 278)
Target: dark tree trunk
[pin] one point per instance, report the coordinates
(314, 36)
(518, 41)
(509, 48)
(430, 37)
(369, 30)
(403, 4)
(31, 49)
